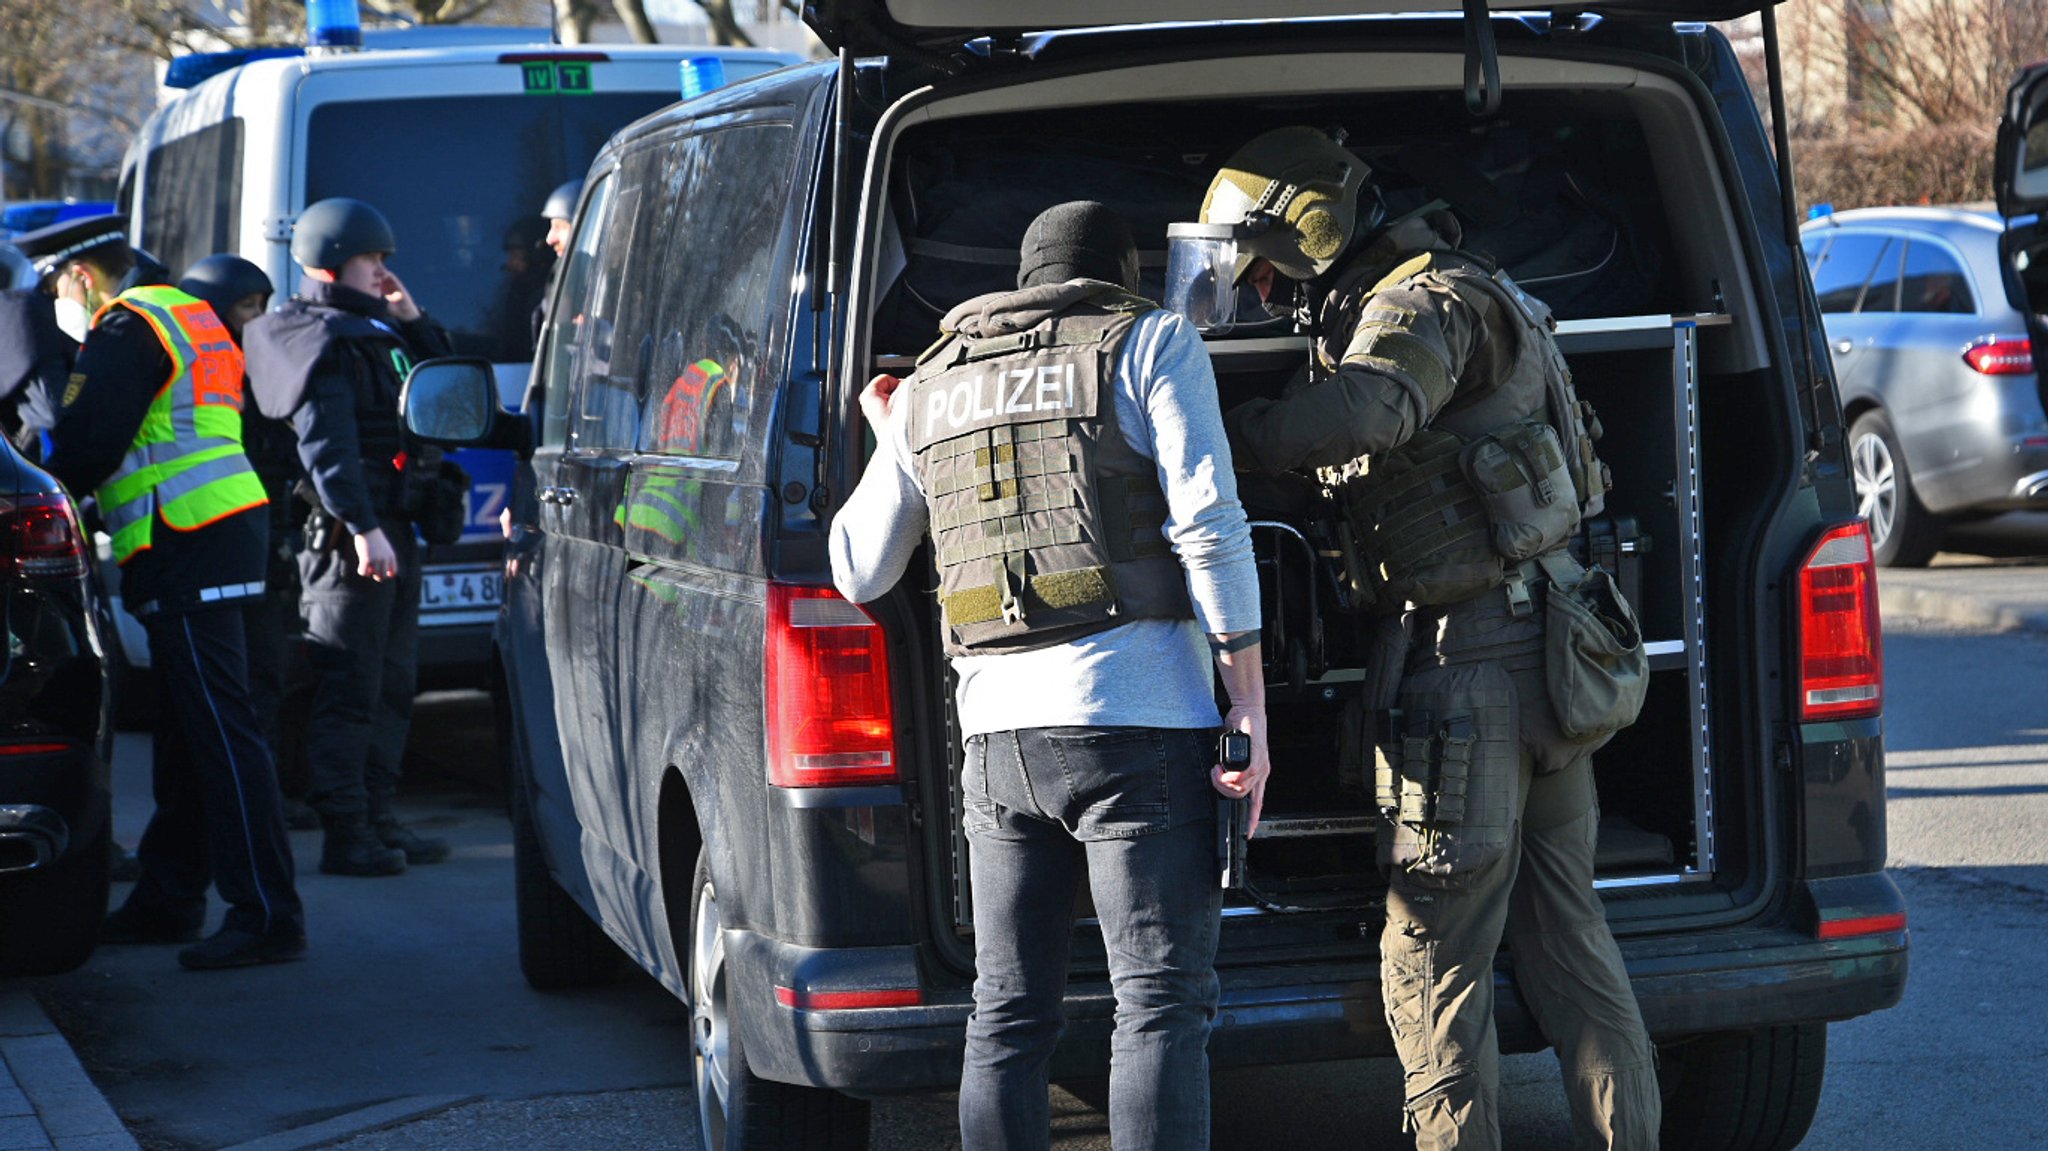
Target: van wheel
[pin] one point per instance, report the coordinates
(736, 1109)
(50, 919)
(560, 946)
(1742, 1090)
(1903, 533)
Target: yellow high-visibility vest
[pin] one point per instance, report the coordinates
(186, 464)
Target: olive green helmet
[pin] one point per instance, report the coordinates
(1292, 195)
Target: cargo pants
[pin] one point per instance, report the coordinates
(1437, 951)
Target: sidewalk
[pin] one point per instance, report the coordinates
(1969, 591)
(46, 1101)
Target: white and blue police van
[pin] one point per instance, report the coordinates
(457, 134)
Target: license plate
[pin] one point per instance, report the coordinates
(461, 590)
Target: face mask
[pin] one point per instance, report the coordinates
(73, 319)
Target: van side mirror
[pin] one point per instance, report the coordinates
(453, 401)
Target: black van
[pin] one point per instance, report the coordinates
(748, 787)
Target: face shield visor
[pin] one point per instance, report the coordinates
(1201, 275)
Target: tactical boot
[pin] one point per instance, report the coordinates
(351, 848)
(417, 848)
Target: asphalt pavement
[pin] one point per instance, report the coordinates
(69, 1082)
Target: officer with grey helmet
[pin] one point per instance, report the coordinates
(559, 210)
(332, 360)
(1440, 412)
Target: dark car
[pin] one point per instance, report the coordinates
(740, 782)
(56, 824)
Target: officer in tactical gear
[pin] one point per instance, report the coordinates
(1439, 409)
(151, 424)
(332, 360)
(239, 291)
(1062, 446)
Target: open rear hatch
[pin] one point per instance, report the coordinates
(883, 27)
(1657, 307)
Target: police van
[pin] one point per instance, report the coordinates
(458, 135)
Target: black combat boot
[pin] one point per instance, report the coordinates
(417, 848)
(351, 848)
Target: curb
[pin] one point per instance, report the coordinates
(59, 1106)
(1961, 610)
(361, 1122)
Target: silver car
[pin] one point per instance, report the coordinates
(1936, 371)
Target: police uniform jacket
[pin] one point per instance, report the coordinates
(121, 367)
(332, 360)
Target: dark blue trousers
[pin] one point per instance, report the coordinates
(219, 818)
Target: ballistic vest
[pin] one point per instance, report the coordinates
(1505, 470)
(186, 464)
(1046, 525)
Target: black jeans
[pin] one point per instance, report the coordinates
(218, 815)
(362, 640)
(1133, 807)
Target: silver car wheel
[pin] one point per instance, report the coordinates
(1877, 485)
(709, 1032)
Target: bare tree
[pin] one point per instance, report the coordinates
(725, 27)
(634, 14)
(1897, 101)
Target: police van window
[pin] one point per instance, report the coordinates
(714, 342)
(1934, 281)
(465, 202)
(1839, 277)
(192, 195)
(568, 314)
(618, 348)
(1881, 293)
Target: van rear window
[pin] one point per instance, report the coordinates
(462, 180)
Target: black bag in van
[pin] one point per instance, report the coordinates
(963, 209)
(1554, 224)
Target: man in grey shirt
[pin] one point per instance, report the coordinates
(1063, 446)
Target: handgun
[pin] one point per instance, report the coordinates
(1233, 816)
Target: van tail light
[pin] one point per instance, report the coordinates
(830, 720)
(1841, 651)
(2000, 356)
(40, 537)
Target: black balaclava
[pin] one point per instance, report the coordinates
(1079, 239)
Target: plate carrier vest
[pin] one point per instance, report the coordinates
(1046, 525)
(1503, 472)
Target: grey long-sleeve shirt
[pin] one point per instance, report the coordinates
(1147, 673)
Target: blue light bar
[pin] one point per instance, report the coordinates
(701, 74)
(190, 71)
(1820, 211)
(333, 24)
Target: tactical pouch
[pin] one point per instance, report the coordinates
(1525, 482)
(1594, 662)
(1445, 779)
(434, 495)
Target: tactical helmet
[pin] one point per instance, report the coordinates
(1292, 196)
(561, 203)
(223, 279)
(331, 231)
